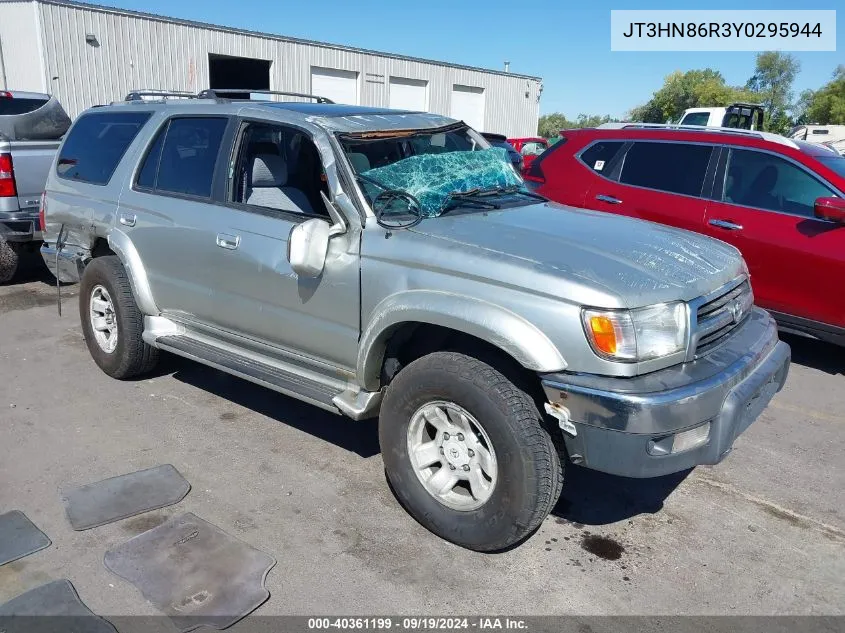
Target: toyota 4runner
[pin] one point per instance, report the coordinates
(391, 263)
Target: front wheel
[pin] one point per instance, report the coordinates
(466, 452)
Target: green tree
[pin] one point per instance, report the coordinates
(691, 89)
(550, 125)
(774, 74)
(825, 106)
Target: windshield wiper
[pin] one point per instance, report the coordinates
(522, 191)
(455, 197)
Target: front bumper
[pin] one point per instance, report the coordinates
(69, 265)
(625, 426)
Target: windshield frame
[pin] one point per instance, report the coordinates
(340, 137)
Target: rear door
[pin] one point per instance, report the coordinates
(171, 209)
(661, 181)
(764, 206)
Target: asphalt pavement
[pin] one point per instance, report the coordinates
(762, 533)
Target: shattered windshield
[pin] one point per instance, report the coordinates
(441, 169)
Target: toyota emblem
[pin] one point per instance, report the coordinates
(736, 310)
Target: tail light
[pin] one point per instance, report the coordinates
(7, 176)
(42, 212)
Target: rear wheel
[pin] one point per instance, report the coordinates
(466, 453)
(112, 322)
(9, 258)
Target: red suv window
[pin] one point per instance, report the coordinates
(671, 167)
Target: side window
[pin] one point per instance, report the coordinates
(96, 143)
(669, 167)
(147, 175)
(598, 156)
(279, 168)
(533, 148)
(766, 181)
(188, 156)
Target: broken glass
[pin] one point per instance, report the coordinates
(431, 178)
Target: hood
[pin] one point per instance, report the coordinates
(590, 257)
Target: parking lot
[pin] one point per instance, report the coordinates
(761, 533)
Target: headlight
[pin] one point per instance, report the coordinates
(636, 335)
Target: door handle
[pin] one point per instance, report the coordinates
(228, 241)
(608, 199)
(724, 224)
(127, 219)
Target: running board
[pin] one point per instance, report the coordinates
(271, 376)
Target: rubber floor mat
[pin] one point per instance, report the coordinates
(124, 496)
(19, 537)
(51, 608)
(194, 572)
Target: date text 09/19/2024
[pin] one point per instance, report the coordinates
(419, 623)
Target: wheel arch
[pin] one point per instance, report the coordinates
(491, 324)
(120, 244)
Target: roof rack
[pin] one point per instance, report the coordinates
(765, 136)
(140, 95)
(221, 93)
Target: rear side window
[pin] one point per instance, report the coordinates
(598, 156)
(96, 144)
(183, 157)
(16, 105)
(670, 167)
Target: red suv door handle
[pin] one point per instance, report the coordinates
(724, 224)
(608, 199)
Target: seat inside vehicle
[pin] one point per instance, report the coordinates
(280, 168)
(268, 185)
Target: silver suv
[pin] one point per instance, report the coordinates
(381, 262)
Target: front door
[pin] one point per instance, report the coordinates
(764, 207)
(276, 182)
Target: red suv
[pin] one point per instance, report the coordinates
(781, 202)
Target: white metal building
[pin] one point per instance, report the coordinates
(87, 54)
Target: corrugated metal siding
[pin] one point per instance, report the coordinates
(20, 49)
(148, 52)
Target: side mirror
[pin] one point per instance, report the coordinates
(308, 245)
(832, 209)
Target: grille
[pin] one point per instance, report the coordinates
(720, 316)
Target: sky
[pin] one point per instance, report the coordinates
(567, 43)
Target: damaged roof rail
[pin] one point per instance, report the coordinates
(142, 95)
(222, 93)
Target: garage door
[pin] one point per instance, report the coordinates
(468, 105)
(341, 86)
(408, 94)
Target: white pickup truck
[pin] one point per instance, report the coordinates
(31, 127)
(744, 116)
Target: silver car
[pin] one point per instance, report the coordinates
(391, 263)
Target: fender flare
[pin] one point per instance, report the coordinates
(125, 250)
(507, 330)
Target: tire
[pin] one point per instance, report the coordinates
(529, 474)
(105, 279)
(9, 259)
